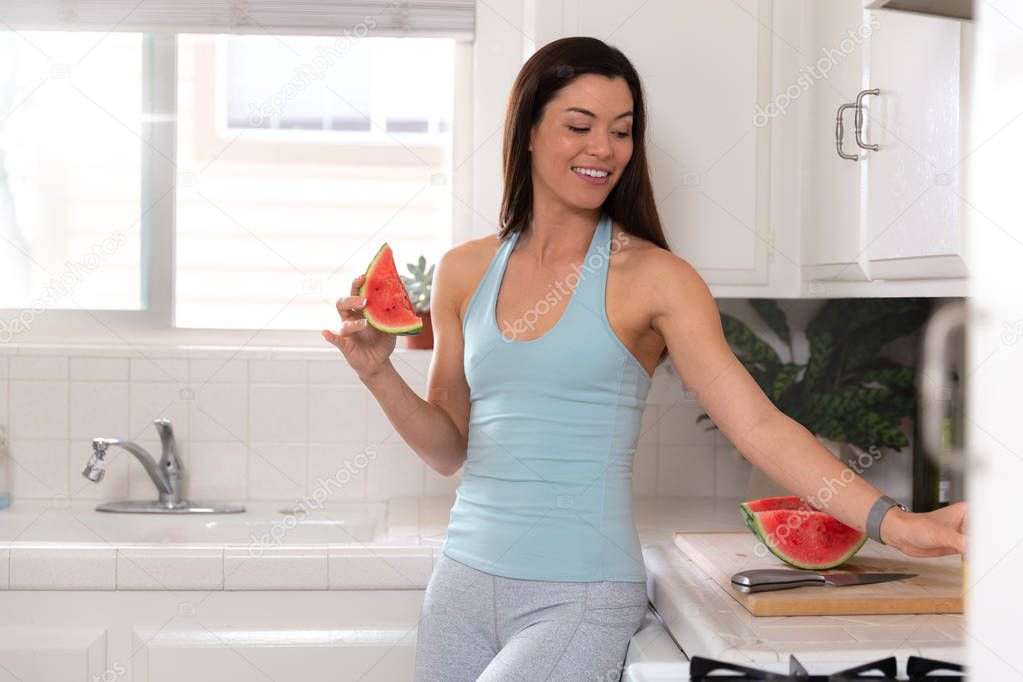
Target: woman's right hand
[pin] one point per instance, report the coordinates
(365, 347)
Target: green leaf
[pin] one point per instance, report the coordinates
(742, 338)
(865, 343)
(820, 358)
(893, 376)
(773, 316)
(784, 379)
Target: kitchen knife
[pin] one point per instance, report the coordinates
(764, 579)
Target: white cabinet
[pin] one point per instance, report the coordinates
(896, 213)
(742, 102)
(913, 180)
(54, 652)
(722, 184)
(834, 227)
(196, 635)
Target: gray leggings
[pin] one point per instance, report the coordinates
(479, 626)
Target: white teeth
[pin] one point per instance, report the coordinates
(591, 173)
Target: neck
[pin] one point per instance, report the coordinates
(561, 234)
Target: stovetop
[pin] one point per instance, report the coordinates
(910, 669)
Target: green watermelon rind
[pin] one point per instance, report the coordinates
(752, 522)
(410, 330)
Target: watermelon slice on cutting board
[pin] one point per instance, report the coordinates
(388, 306)
(799, 534)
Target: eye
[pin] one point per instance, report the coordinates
(584, 130)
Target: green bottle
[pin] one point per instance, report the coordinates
(931, 481)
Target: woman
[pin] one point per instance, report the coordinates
(542, 576)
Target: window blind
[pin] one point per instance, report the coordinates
(365, 18)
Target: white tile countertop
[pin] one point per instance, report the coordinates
(72, 547)
(67, 545)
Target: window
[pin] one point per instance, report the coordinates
(242, 184)
(295, 162)
(70, 164)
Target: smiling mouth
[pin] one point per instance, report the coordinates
(590, 173)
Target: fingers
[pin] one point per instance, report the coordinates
(348, 328)
(330, 336)
(349, 307)
(356, 283)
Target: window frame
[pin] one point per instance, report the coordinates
(153, 323)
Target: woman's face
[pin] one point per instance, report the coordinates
(588, 124)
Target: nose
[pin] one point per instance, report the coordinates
(599, 146)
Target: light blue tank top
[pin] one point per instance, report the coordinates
(546, 489)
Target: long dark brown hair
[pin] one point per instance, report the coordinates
(547, 71)
(551, 68)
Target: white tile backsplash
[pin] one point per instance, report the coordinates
(395, 470)
(277, 413)
(217, 471)
(337, 414)
(277, 471)
(31, 367)
(39, 468)
(160, 369)
(99, 369)
(219, 412)
(336, 471)
(267, 424)
(100, 409)
(39, 409)
(228, 369)
(686, 470)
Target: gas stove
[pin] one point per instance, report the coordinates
(911, 669)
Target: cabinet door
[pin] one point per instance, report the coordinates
(913, 211)
(834, 229)
(706, 71)
(54, 653)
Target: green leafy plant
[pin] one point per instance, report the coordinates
(844, 392)
(419, 284)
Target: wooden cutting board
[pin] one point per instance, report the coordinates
(937, 589)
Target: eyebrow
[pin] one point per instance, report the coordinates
(593, 115)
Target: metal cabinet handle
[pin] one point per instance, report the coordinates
(840, 133)
(932, 382)
(859, 118)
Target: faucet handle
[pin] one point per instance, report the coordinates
(164, 427)
(169, 457)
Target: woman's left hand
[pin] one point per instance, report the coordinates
(926, 534)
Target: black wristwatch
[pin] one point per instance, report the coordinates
(876, 514)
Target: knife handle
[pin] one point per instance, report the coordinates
(764, 579)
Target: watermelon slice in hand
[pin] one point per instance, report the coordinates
(799, 534)
(388, 306)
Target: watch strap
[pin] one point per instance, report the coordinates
(876, 514)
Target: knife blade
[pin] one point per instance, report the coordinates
(764, 579)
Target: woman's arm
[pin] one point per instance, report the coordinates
(687, 317)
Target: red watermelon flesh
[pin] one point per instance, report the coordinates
(768, 503)
(801, 535)
(388, 306)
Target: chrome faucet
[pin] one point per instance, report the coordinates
(167, 476)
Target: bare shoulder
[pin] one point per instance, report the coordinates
(462, 267)
(666, 280)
